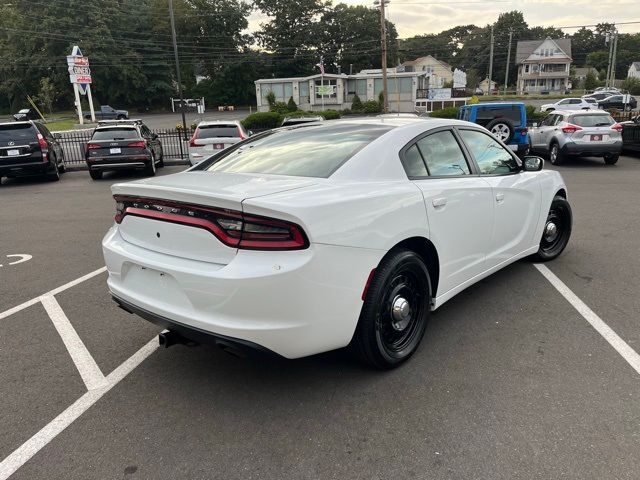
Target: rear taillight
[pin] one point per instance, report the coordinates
(570, 128)
(42, 143)
(524, 131)
(617, 127)
(140, 144)
(231, 227)
(92, 146)
(192, 140)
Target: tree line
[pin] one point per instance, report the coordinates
(131, 53)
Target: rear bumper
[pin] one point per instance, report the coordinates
(293, 303)
(137, 162)
(586, 149)
(23, 169)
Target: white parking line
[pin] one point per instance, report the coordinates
(32, 446)
(87, 367)
(62, 288)
(622, 347)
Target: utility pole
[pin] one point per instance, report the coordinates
(506, 72)
(613, 59)
(490, 61)
(383, 44)
(609, 38)
(175, 52)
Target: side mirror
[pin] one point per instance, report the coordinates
(534, 124)
(57, 136)
(250, 132)
(532, 164)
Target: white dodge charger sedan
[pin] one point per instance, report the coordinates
(306, 239)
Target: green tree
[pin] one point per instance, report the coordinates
(47, 94)
(291, 105)
(590, 81)
(631, 85)
(356, 103)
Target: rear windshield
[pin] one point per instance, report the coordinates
(585, 120)
(303, 152)
(214, 131)
(115, 134)
(509, 112)
(17, 133)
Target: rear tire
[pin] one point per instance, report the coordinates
(161, 161)
(54, 175)
(396, 308)
(96, 174)
(611, 159)
(557, 230)
(555, 155)
(150, 168)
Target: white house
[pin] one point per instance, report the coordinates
(319, 92)
(543, 65)
(634, 70)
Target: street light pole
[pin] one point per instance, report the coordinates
(506, 72)
(175, 52)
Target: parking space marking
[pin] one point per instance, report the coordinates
(55, 291)
(629, 354)
(27, 450)
(87, 367)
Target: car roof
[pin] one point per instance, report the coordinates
(494, 104)
(22, 122)
(206, 123)
(581, 112)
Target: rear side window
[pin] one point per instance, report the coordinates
(508, 112)
(115, 134)
(413, 163)
(312, 151)
(18, 133)
(591, 120)
(213, 131)
(443, 155)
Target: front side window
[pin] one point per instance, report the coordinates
(491, 157)
(443, 155)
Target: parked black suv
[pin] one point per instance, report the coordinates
(29, 148)
(123, 144)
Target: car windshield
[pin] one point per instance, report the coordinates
(303, 152)
(592, 120)
(22, 132)
(298, 121)
(115, 134)
(509, 112)
(214, 131)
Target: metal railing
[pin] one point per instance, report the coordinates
(174, 147)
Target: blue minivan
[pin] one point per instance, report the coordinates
(507, 121)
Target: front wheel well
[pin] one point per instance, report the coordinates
(427, 251)
(562, 193)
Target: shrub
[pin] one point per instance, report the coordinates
(271, 99)
(194, 125)
(449, 112)
(371, 106)
(179, 126)
(381, 100)
(632, 85)
(279, 107)
(356, 104)
(264, 120)
(329, 114)
(291, 105)
(473, 100)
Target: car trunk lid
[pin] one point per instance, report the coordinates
(192, 199)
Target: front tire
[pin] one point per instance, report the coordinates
(395, 311)
(557, 230)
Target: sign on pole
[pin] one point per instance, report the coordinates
(80, 77)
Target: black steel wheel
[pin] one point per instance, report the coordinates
(395, 311)
(557, 230)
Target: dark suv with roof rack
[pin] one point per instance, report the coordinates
(122, 145)
(29, 148)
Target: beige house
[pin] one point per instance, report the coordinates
(440, 72)
(484, 86)
(543, 65)
(634, 70)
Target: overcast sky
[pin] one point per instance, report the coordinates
(414, 17)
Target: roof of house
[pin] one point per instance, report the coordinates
(417, 60)
(586, 70)
(526, 47)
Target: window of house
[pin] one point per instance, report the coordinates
(326, 88)
(303, 87)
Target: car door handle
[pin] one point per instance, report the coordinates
(499, 197)
(439, 202)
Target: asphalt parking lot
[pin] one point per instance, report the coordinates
(511, 380)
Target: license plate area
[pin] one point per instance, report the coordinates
(596, 138)
(218, 146)
(13, 153)
(115, 151)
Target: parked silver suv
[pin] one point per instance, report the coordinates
(577, 133)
